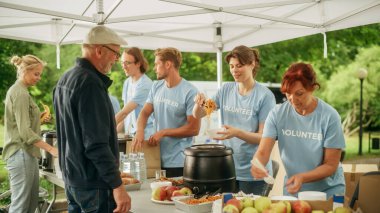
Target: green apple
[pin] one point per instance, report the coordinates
(342, 210)
(279, 207)
(229, 208)
(262, 203)
(249, 209)
(186, 191)
(317, 211)
(247, 202)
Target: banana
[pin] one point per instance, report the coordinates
(45, 114)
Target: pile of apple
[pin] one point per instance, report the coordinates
(167, 192)
(265, 205)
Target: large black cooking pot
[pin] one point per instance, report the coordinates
(209, 168)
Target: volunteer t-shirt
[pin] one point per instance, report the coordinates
(137, 92)
(246, 113)
(171, 108)
(301, 141)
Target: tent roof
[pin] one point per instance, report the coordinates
(189, 25)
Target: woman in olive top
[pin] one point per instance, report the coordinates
(22, 135)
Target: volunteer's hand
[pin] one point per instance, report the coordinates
(155, 139)
(294, 183)
(200, 99)
(229, 132)
(257, 173)
(137, 142)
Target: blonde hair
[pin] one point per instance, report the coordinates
(170, 54)
(26, 63)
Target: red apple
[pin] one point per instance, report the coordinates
(159, 193)
(177, 193)
(186, 191)
(229, 208)
(169, 191)
(236, 203)
(288, 206)
(301, 206)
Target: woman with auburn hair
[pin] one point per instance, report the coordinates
(244, 106)
(309, 134)
(22, 141)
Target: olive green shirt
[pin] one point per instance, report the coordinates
(21, 122)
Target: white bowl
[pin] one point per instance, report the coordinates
(155, 185)
(212, 133)
(312, 195)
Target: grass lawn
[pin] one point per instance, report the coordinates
(352, 148)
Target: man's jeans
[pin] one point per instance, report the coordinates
(89, 200)
(24, 180)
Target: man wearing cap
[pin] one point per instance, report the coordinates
(86, 132)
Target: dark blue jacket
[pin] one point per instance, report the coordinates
(86, 133)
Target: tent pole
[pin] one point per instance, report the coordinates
(219, 71)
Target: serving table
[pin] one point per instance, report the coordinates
(141, 199)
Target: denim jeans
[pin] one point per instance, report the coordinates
(89, 200)
(248, 187)
(24, 180)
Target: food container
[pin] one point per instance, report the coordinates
(209, 168)
(312, 195)
(196, 208)
(157, 184)
(213, 133)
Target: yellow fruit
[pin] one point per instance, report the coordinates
(45, 114)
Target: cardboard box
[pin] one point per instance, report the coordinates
(369, 193)
(352, 174)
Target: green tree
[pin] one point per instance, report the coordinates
(345, 96)
(8, 48)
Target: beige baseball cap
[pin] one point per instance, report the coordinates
(103, 35)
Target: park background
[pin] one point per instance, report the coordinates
(348, 51)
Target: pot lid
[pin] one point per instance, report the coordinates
(208, 150)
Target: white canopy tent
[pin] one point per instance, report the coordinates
(190, 25)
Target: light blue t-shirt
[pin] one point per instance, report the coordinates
(139, 93)
(301, 141)
(246, 113)
(115, 103)
(171, 108)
